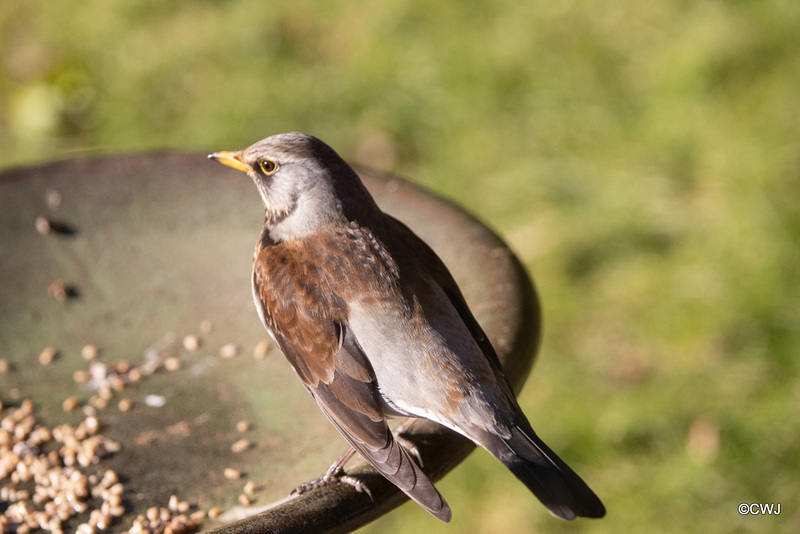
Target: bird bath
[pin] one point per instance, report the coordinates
(153, 248)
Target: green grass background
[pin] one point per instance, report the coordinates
(642, 158)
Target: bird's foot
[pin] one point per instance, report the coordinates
(316, 483)
(335, 473)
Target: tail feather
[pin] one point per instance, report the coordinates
(557, 486)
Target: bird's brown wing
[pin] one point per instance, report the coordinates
(309, 323)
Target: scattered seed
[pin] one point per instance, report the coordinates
(55, 489)
(198, 515)
(81, 377)
(117, 383)
(229, 350)
(53, 198)
(152, 513)
(249, 488)
(98, 402)
(214, 512)
(243, 426)
(155, 401)
(92, 424)
(59, 290)
(43, 225)
(110, 480)
(244, 500)
(241, 445)
(260, 352)
(232, 474)
(206, 326)
(191, 343)
(47, 356)
(60, 489)
(134, 375)
(69, 404)
(89, 352)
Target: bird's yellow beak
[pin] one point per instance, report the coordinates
(231, 159)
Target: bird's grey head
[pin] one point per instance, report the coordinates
(304, 184)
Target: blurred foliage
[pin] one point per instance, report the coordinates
(643, 159)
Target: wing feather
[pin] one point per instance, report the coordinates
(309, 323)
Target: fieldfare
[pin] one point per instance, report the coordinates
(374, 326)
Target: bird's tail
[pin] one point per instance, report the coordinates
(562, 491)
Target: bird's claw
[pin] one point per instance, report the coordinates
(308, 486)
(317, 482)
(333, 474)
(359, 485)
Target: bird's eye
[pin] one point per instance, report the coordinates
(268, 166)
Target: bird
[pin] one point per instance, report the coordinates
(375, 326)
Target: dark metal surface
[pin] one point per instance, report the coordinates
(159, 243)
